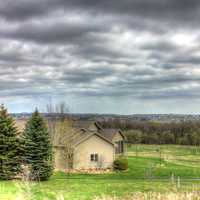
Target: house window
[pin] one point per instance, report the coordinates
(119, 147)
(94, 157)
(122, 146)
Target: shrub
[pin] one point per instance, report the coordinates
(121, 163)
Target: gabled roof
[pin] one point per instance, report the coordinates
(87, 136)
(86, 124)
(107, 133)
(110, 133)
(80, 131)
(75, 138)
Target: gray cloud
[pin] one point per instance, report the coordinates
(90, 51)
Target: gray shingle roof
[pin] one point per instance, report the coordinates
(79, 132)
(109, 133)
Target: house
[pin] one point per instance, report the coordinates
(88, 146)
(93, 146)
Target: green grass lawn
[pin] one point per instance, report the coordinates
(147, 172)
(184, 155)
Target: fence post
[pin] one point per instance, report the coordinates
(172, 178)
(178, 182)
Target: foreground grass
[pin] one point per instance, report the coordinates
(89, 189)
(147, 173)
(156, 196)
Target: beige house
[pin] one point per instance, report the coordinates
(90, 145)
(93, 147)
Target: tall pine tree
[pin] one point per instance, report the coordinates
(9, 146)
(38, 148)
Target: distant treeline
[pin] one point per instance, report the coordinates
(184, 133)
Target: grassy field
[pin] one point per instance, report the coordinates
(183, 155)
(151, 169)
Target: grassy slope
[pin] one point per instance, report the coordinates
(140, 177)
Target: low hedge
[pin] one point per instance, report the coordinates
(121, 163)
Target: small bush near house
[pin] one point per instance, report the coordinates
(121, 163)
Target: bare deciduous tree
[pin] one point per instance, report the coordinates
(61, 131)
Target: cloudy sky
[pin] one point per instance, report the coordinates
(107, 56)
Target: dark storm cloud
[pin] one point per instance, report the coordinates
(140, 50)
(22, 9)
(34, 8)
(58, 32)
(185, 11)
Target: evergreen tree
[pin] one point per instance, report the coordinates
(38, 148)
(9, 146)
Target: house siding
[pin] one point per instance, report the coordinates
(93, 145)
